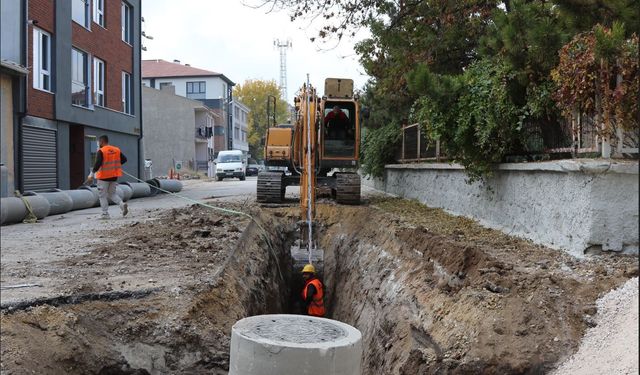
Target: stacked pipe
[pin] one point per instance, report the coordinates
(56, 201)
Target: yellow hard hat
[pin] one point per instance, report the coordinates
(309, 268)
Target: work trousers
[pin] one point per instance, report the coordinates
(106, 191)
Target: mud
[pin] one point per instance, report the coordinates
(430, 292)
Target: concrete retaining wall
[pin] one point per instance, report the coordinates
(570, 204)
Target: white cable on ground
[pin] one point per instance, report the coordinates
(225, 210)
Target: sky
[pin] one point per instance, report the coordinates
(228, 37)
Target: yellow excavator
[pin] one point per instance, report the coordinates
(334, 134)
(320, 149)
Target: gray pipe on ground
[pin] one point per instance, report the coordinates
(140, 189)
(94, 191)
(13, 210)
(127, 192)
(153, 184)
(59, 201)
(173, 186)
(82, 198)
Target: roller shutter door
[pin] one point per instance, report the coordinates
(39, 158)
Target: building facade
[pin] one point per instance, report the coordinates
(83, 81)
(13, 73)
(240, 127)
(177, 130)
(211, 88)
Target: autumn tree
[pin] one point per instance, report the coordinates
(254, 93)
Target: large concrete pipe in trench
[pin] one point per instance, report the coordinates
(294, 344)
(82, 198)
(140, 189)
(13, 210)
(59, 201)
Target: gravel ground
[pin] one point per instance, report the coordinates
(611, 347)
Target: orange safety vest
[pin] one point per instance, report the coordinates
(111, 166)
(316, 307)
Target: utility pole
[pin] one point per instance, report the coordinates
(283, 46)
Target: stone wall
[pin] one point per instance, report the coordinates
(572, 205)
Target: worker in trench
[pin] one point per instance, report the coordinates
(107, 169)
(313, 292)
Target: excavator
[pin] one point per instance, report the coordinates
(335, 144)
(319, 150)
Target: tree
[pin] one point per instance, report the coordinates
(254, 93)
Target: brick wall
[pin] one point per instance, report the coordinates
(40, 103)
(106, 44)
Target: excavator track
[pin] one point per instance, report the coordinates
(348, 188)
(270, 187)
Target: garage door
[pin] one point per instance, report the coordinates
(40, 163)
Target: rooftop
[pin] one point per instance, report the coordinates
(161, 68)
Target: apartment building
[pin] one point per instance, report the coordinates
(211, 88)
(240, 126)
(83, 81)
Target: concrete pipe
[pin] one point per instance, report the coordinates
(140, 189)
(82, 198)
(172, 186)
(59, 201)
(12, 210)
(94, 191)
(4, 181)
(153, 185)
(16, 212)
(126, 191)
(294, 344)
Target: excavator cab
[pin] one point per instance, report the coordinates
(339, 129)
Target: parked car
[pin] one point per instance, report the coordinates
(253, 169)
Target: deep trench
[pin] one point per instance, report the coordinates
(370, 283)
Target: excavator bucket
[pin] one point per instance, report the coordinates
(302, 253)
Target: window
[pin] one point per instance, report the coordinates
(79, 81)
(41, 60)
(218, 130)
(244, 136)
(196, 90)
(98, 82)
(127, 105)
(165, 84)
(80, 12)
(236, 112)
(127, 18)
(98, 12)
(236, 133)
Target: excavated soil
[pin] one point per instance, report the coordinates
(431, 293)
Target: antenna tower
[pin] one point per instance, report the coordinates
(283, 45)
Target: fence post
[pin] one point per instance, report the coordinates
(438, 150)
(419, 136)
(575, 129)
(402, 156)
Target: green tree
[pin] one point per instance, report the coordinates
(254, 93)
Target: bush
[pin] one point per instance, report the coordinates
(378, 148)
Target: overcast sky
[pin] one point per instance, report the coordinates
(230, 38)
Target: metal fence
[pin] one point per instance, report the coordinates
(565, 139)
(416, 146)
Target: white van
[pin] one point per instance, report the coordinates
(230, 164)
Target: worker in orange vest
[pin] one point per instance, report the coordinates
(107, 169)
(313, 292)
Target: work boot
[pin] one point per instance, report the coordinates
(105, 216)
(125, 209)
